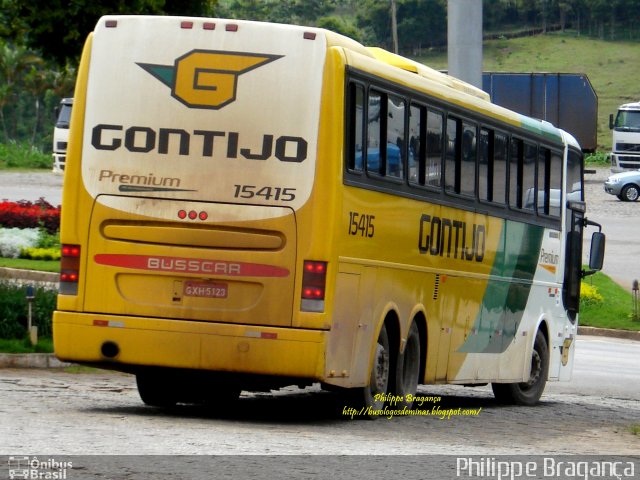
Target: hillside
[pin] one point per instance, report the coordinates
(612, 67)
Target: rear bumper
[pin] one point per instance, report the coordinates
(80, 337)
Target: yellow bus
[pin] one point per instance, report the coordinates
(250, 205)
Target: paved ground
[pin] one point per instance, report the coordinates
(619, 223)
(31, 186)
(56, 412)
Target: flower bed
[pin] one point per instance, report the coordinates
(26, 214)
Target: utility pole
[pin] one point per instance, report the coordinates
(464, 40)
(394, 27)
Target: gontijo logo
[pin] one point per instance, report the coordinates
(207, 78)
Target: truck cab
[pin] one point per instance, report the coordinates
(61, 134)
(625, 148)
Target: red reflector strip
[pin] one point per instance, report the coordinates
(186, 24)
(265, 335)
(108, 323)
(309, 36)
(111, 23)
(208, 26)
(231, 27)
(191, 265)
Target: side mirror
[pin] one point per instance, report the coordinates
(596, 257)
(611, 121)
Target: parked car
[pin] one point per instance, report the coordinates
(624, 185)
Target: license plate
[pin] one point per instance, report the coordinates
(205, 289)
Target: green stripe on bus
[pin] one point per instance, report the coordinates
(539, 128)
(508, 290)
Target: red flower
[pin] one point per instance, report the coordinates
(26, 214)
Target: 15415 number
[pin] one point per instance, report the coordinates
(361, 224)
(282, 194)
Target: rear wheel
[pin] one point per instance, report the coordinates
(408, 369)
(375, 393)
(630, 193)
(527, 393)
(155, 391)
(373, 397)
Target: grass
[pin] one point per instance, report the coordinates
(44, 345)
(27, 264)
(635, 429)
(16, 155)
(615, 311)
(610, 66)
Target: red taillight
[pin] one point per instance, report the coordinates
(69, 269)
(314, 279)
(70, 250)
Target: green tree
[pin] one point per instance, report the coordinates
(58, 28)
(14, 63)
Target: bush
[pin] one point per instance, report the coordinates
(589, 295)
(40, 253)
(14, 310)
(13, 240)
(21, 155)
(25, 214)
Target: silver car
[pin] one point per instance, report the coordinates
(624, 185)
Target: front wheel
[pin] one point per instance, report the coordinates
(630, 193)
(527, 393)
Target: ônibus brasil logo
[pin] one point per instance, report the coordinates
(207, 78)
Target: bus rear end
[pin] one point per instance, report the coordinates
(190, 159)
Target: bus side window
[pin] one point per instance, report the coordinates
(549, 178)
(375, 116)
(486, 165)
(355, 127)
(529, 176)
(500, 156)
(416, 160)
(395, 137)
(555, 184)
(452, 156)
(515, 174)
(468, 160)
(435, 131)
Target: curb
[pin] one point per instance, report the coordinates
(31, 360)
(608, 332)
(17, 274)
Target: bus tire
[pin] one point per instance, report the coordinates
(371, 398)
(221, 396)
(408, 369)
(630, 193)
(154, 390)
(527, 393)
(375, 392)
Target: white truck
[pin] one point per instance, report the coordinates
(625, 148)
(61, 134)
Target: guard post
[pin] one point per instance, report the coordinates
(32, 329)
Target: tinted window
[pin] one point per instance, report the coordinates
(452, 155)
(395, 137)
(435, 122)
(374, 132)
(416, 145)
